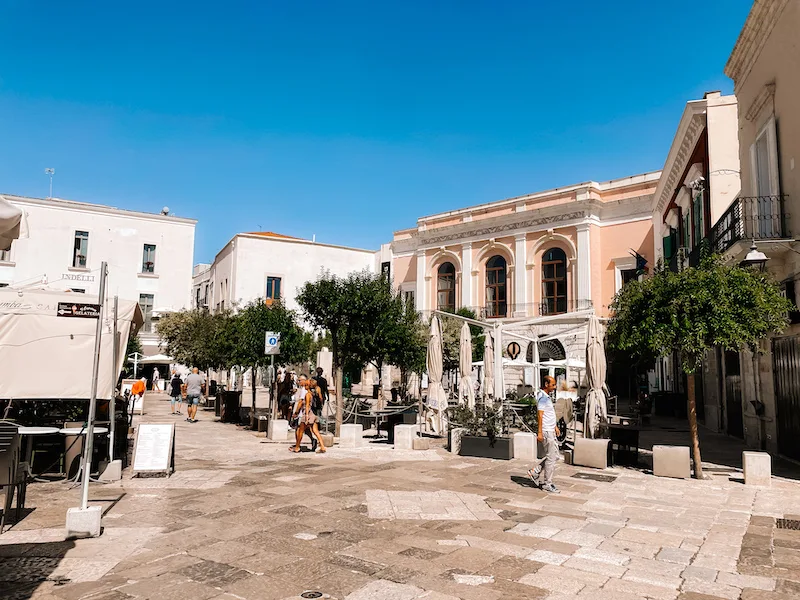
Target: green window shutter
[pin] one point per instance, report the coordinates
(668, 249)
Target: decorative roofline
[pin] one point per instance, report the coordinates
(754, 35)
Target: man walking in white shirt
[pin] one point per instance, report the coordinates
(547, 436)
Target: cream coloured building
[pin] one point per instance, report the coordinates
(149, 255)
(765, 68)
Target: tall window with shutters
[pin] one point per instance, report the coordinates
(80, 249)
(446, 287)
(496, 287)
(554, 282)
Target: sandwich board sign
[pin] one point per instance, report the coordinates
(154, 448)
(272, 343)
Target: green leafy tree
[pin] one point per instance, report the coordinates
(251, 325)
(692, 312)
(451, 339)
(366, 321)
(198, 338)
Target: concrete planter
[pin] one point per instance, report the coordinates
(479, 446)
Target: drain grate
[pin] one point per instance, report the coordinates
(595, 477)
(311, 595)
(788, 524)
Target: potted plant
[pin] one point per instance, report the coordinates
(484, 432)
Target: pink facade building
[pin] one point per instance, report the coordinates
(549, 252)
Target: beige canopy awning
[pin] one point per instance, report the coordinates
(47, 345)
(10, 223)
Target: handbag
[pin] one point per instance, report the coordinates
(294, 422)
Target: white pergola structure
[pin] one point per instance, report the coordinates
(503, 332)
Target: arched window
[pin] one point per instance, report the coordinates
(496, 305)
(446, 287)
(554, 282)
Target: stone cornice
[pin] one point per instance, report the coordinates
(690, 128)
(755, 33)
(532, 220)
(764, 96)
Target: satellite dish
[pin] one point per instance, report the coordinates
(165, 210)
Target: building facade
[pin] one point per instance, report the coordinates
(270, 266)
(699, 183)
(149, 256)
(765, 68)
(545, 253)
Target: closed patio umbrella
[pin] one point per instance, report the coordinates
(596, 411)
(465, 388)
(437, 400)
(10, 223)
(488, 367)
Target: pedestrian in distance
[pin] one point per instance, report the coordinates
(284, 392)
(194, 390)
(547, 436)
(322, 384)
(176, 392)
(316, 408)
(156, 380)
(306, 419)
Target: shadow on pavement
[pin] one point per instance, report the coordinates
(524, 482)
(24, 567)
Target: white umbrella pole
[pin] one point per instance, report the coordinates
(112, 402)
(87, 458)
(498, 363)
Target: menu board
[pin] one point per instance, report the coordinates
(154, 450)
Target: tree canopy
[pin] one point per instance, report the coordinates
(692, 311)
(199, 338)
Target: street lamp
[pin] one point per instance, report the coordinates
(755, 258)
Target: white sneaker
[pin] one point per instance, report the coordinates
(550, 488)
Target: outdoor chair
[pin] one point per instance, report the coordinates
(13, 474)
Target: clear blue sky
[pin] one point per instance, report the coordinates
(343, 119)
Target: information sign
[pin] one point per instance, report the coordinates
(154, 449)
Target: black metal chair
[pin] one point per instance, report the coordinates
(13, 473)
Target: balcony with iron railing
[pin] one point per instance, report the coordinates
(748, 218)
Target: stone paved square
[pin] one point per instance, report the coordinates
(375, 524)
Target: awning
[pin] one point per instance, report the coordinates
(156, 359)
(10, 223)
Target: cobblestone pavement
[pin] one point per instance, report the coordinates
(243, 518)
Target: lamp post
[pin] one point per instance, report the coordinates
(754, 259)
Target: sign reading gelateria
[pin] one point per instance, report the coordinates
(77, 277)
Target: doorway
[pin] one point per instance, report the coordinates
(786, 369)
(733, 394)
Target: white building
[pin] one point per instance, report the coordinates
(270, 265)
(149, 255)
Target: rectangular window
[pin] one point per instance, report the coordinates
(146, 304)
(386, 270)
(81, 249)
(197, 298)
(5, 255)
(687, 232)
(409, 297)
(629, 275)
(274, 288)
(149, 259)
(205, 296)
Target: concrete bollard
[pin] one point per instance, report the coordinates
(455, 439)
(525, 445)
(278, 430)
(404, 436)
(672, 461)
(757, 467)
(591, 453)
(352, 436)
(84, 522)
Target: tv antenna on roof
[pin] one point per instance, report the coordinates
(50, 172)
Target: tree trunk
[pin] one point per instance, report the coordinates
(253, 387)
(698, 464)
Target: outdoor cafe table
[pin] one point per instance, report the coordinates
(69, 431)
(33, 432)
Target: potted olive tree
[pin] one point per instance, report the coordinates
(484, 436)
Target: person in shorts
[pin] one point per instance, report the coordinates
(194, 390)
(176, 392)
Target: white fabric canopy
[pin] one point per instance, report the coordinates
(10, 223)
(44, 356)
(596, 411)
(465, 389)
(488, 367)
(437, 398)
(156, 359)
